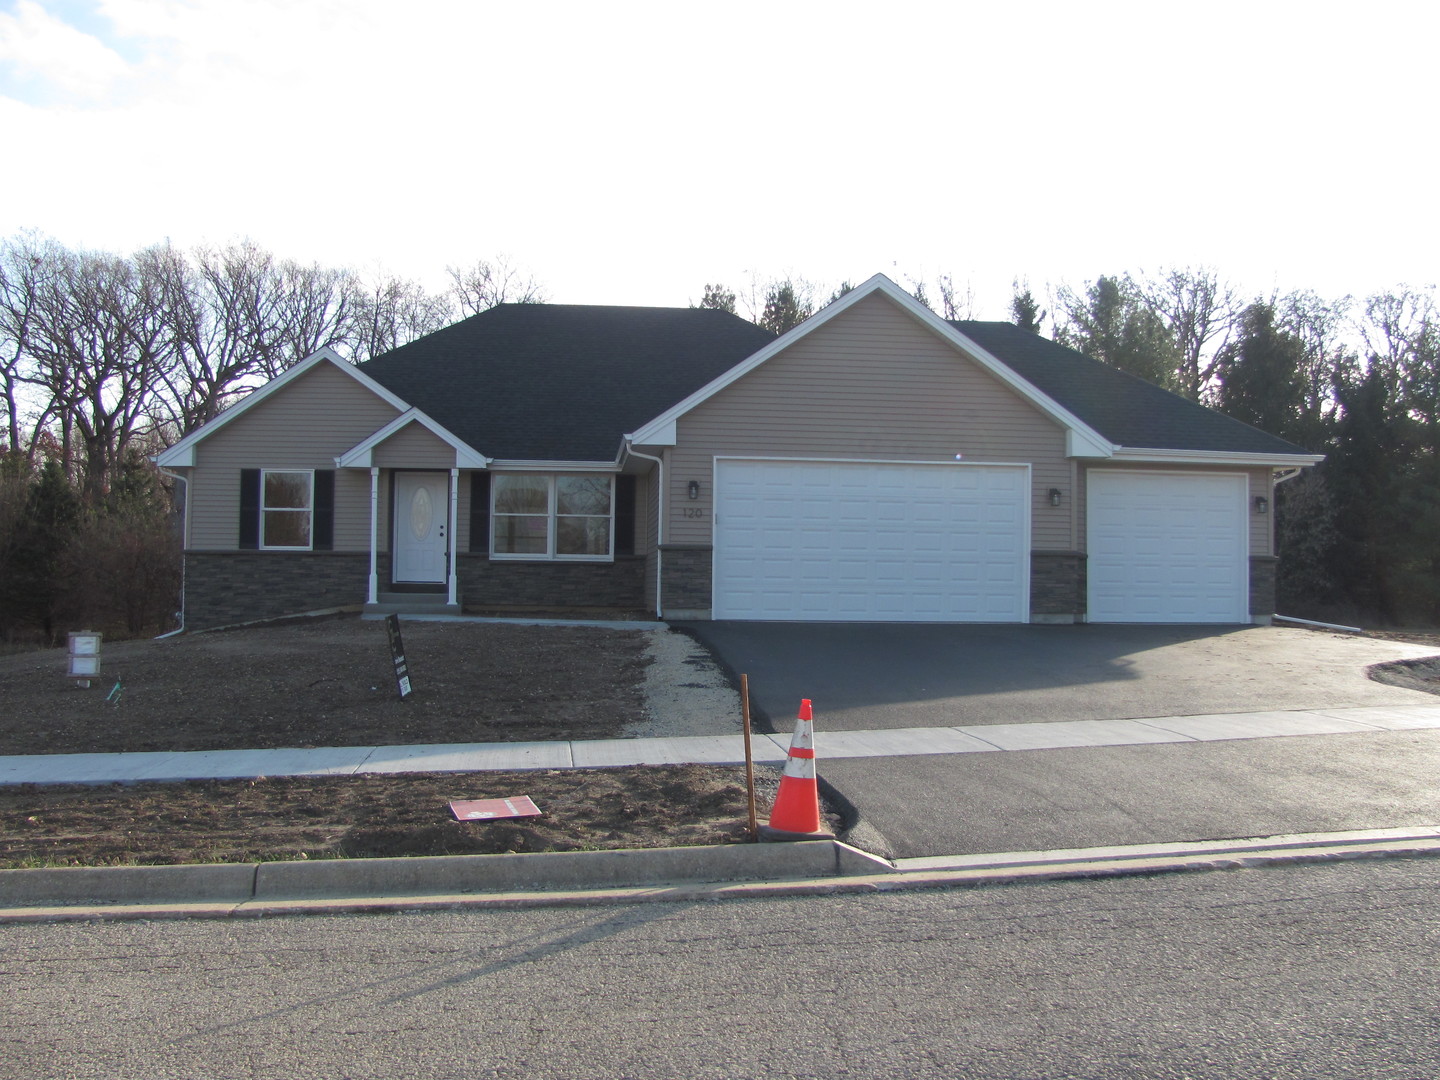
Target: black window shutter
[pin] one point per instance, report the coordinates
(624, 515)
(322, 527)
(480, 512)
(249, 508)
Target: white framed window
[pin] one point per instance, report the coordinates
(287, 501)
(544, 516)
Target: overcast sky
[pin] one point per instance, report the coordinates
(631, 152)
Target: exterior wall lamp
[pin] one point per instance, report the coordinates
(1054, 496)
(693, 490)
(1262, 504)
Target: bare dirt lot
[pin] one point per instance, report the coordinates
(328, 683)
(331, 683)
(369, 816)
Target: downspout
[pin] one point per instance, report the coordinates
(659, 520)
(184, 539)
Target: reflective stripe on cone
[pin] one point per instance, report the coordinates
(797, 803)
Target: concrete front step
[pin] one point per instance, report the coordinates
(395, 603)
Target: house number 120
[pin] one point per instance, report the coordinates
(694, 512)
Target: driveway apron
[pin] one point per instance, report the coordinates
(870, 676)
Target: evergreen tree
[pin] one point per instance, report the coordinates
(1025, 310)
(719, 298)
(1260, 374)
(784, 308)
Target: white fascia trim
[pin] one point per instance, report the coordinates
(553, 466)
(810, 459)
(1216, 457)
(182, 454)
(1085, 440)
(360, 456)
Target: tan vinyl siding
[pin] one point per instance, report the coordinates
(876, 384)
(304, 425)
(1262, 526)
(352, 510)
(414, 447)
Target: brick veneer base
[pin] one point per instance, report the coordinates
(1262, 584)
(223, 588)
(685, 570)
(1057, 583)
(505, 583)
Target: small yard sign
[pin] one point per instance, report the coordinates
(397, 653)
(489, 809)
(84, 656)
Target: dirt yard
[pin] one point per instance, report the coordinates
(331, 683)
(371, 816)
(328, 683)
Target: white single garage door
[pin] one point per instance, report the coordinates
(826, 541)
(1167, 547)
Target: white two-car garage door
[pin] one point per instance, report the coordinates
(860, 541)
(1167, 547)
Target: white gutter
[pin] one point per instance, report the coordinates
(1312, 622)
(184, 539)
(659, 519)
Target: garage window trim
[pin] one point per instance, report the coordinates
(552, 516)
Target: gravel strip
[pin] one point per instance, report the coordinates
(686, 693)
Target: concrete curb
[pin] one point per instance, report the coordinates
(629, 877)
(540, 873)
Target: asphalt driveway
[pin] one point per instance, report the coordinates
(864, 676)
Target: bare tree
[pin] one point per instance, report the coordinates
(391, 311)
(99, 340)
(1201, 311)
(317, 307)
(955, 302)
(483, 285)
(18, 274)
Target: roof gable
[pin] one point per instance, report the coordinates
(1081, 439)
(182, 454)
(362, 454)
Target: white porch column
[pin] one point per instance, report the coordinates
(374, 532)
(454, 530)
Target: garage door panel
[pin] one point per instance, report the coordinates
(852, 541)
(1167, 547)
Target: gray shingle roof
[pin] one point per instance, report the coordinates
(1123, 408)
(563, 382)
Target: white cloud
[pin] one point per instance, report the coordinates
(54, 56)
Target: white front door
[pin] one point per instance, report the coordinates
(422, 507)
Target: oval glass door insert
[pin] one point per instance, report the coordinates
(422, 514)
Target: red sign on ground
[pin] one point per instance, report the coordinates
(489, 809)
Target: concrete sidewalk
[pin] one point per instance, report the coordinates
(713, 749)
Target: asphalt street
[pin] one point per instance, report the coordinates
(1322, 972)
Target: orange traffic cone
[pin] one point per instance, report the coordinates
(797, 803)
